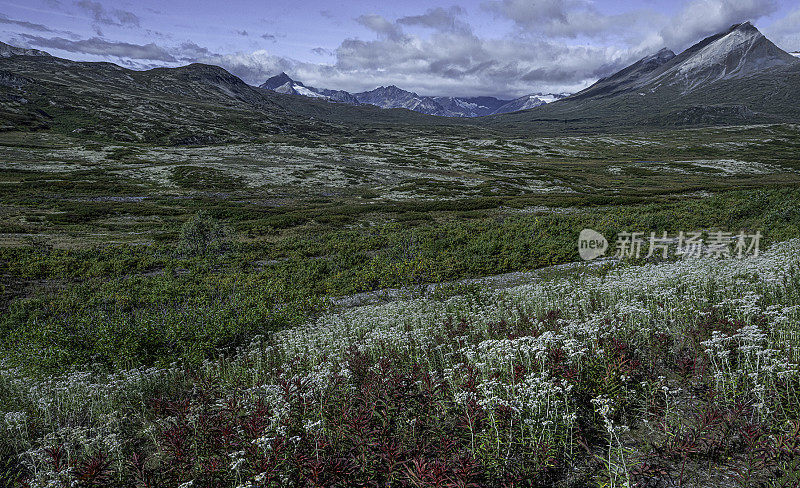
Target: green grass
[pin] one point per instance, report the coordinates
(105, 267)
(122, 306)
(91, 234)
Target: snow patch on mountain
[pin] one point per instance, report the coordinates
(741, 51)
(718, 52)
(528, 102)
(394, 97)
(306, 92)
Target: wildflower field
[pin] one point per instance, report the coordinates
(673, 374)
(398, 311)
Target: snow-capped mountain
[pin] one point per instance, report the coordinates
(282, 83)
(734, 77)
(796, 53)
(394, 97)
(529, 101)
(469, 107)
(6, 51)
(739, 52)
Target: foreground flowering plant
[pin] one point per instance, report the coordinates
(638, 376)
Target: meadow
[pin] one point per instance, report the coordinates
(264, 313)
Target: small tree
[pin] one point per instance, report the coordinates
(202, 235)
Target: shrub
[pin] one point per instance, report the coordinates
(203, 235)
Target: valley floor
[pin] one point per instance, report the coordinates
(217, 316)
(671, 374)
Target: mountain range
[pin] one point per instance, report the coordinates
(734, 77)
(394, 97)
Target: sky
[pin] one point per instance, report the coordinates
(502, 48)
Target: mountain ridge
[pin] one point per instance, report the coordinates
(737, 52)
(745, 79)
(736, 76)
(7, 50)
(394, 97)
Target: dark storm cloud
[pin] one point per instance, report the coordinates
(101, 47)
(26, 25)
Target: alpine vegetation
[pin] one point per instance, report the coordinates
(631, 375)
(533, 267)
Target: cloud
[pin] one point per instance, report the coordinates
(27, 25)
(253, 68)
(702, 18)
(642, 27)
(449, 60)
(529, 13)
(242, 33)
(101, 47)
(571, 19)
(101, 16)
(438, 19)
(551, 46)
(126, 18)
(457, 63)
(191, 52)
(785, 32)
(381, 26)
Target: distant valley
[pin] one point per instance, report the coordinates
(394, 97)
(735, 77)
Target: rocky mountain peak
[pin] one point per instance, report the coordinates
(740, 51)
(7, 50)
(278, 81)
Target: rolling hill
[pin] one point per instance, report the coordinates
(192, 104)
